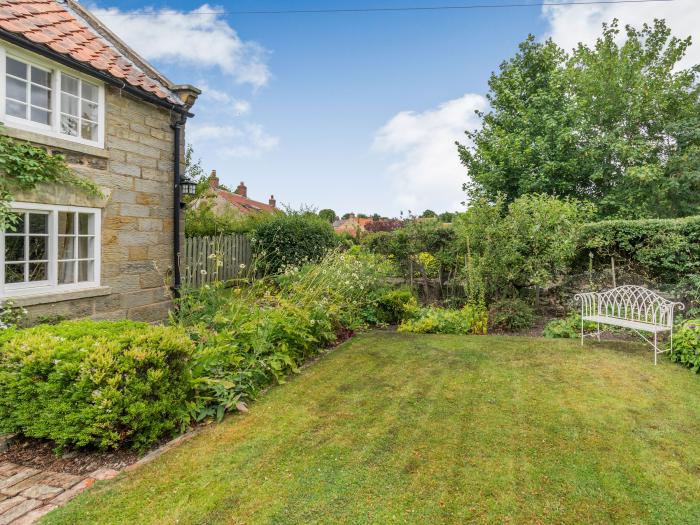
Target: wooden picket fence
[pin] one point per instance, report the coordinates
(210, 259)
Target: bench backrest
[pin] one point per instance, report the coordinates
(632, 303)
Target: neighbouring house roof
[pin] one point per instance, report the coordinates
(244, 204)
(237, 199)
(351, 225)
(67, 28)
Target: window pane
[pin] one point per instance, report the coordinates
(41, 97)
(41, 116)
(38, 248)
(69, 104)
(38, 223)
(16, 221)
(88, 130)
(66, 272)
(66, 224)
(17, 89)
(14, 248)
(85, 271)
(85, 249)
(85, 224)
(89, 111)
(69, 84)
(16, 109)
(38, 271)
(16, 68)
(66, 248)
(39, 76)
(14, 273)
(90, 91)
(69, 125)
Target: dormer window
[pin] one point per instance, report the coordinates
(47, 98)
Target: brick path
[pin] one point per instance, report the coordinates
(26, 494)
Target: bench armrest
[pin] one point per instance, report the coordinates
(589, 303)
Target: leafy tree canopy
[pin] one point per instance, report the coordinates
(327, 214)
(614, 124)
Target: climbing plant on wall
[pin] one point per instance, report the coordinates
(23, 166)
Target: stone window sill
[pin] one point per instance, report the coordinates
(54, 142)
(56, 297)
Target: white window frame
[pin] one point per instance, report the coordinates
(54, 130)
(15, 290)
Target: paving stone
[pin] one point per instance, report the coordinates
(9, 503)
(41, 491)
(18, 511)
(61, 479)
(102, 474)
(69, 494)
(21, 485)
(19, 476)
(8, 469)
(34, 515)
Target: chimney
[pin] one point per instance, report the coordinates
(272, 201)
(241, 190)
(213, 180)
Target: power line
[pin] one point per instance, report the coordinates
(351, 10)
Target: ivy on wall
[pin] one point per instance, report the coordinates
(23, 166)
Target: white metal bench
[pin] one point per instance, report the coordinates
(632, 307)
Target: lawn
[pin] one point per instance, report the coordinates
(402, 428)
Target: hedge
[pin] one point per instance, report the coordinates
(292, 240)
(666, 250)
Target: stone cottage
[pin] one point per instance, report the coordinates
(70, 85)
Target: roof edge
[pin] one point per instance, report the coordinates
(99, 26)
(68, 61)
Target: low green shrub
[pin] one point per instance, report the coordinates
(469, 320)
(686, 345)
(567, 328)
(395, 306)
(251, 343)
(511, 314)
(101, 384)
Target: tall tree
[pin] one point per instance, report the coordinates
(614, 124)
(327, 214)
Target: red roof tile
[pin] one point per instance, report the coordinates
(61, 28)
(245, 204)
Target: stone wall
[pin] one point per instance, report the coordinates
(136, 172)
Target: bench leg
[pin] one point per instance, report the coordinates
(581, 328)
(598, 332)
(656, 348)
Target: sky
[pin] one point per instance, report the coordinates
(350, 111)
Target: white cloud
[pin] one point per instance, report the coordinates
(200, 38)
(221, 101)
(244, 141)
(569, 25)
(425, 166)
